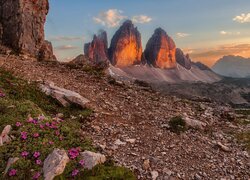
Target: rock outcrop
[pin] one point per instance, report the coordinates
(201, 66)
(126, 46)
(97, 50)
(4, 137)
(22, 27)
(160, 50)
(92, 159)
(55, 164)
(182, 59)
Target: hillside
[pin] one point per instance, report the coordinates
(233, 66)
(132, 125)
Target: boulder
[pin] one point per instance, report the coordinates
(194, 123)
(4, 137)
(126, 46)
(46, 52)
(10, 162)
(182, 59)
(64, 96)
(22, 26)
(55, 164)
(92, 159)
(97, 50)
(160, 50)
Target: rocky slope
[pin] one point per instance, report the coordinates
(233, 66)
(22, 27)
(160, 50)
(126, 47)
(97, 50)
(182, 59)
(131, 124)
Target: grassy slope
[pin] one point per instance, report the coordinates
(23, 99)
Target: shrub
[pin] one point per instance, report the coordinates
(177, 124)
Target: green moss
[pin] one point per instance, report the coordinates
(177, 124)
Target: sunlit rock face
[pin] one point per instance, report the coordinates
(182, 59)
(22, 27)
(126, 47)
(160, 50)
(97, 50)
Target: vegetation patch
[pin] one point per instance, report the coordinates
(36, 131)
(177, 124)
(244, 138)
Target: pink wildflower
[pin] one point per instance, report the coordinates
(25, 154)
(41, 117)
(41, 126)
(18, 124)
(12, 172)
(38, 162)
(73, 153)
(37, 175)
(24, 135)
(36, 154)
(81, 162)
(57, 133)
(35, 135)
(51, 142)
(30, 120)
(75, 172)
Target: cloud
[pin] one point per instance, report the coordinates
(66, 47)
(182, 35)
(243, 18)
(229, 33)
(210, 56)
(110, 18)
(65, 38)
(141, 19)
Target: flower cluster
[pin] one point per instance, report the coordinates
(2, 94)
(12, 172)
(24, 135)
(73, 153)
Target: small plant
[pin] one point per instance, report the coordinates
(177, 124)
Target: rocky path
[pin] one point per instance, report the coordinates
(130, 124)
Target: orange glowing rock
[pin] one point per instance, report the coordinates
(126, 47)
(160, 50)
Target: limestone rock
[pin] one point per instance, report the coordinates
(22, 25)
(55, 164)
(64, 96)
(10, 162)
(97, 50)
(46, 52)
(160, 50)
(182, 59)
(194, 123)
(126, 47)
(5, 138)
(92, 159)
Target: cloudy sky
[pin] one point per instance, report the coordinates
(206, 30)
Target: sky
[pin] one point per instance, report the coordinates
(206, 29)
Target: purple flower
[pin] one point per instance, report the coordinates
(30, 120)
(12, 172)
(2, 94)
(41, 117)
(57, 133)
(35, 135)
(81, 162)
(36, 154)
(24, 135)
(75, 172)
(24, 154)
(18, 124)
(41, 126)
(73, 153)
(51, 142)
(38, 162)
(37, 175)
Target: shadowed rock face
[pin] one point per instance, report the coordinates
(126, 47)
(160, 50)
(22, 27)
(97, 50)
(182, 59)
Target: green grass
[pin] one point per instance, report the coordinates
(177, 124)
(24, 99)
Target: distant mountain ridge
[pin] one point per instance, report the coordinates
(233, 66)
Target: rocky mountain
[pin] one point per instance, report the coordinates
(22, 27)
(201, 66)
(182, 59)
(233, 66)
(97, 50)
(160, 50)
(126, 46)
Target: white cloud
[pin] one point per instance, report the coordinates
(229, 33)
(182, 35)
(110, 18)
(65, 38)
(141, 19)
(66, 47)
(243, 18)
